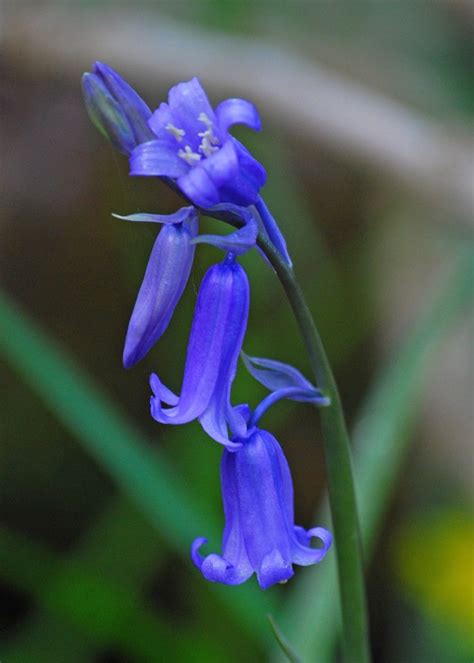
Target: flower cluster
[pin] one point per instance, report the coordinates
(187, 144)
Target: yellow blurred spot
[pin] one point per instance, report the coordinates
(434, 561)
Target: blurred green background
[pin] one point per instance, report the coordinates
(367, 108)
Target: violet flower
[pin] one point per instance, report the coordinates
(165, 279)
(217, 332)
(259, 535)
(187, 144)
(115, 108)
(193, 147)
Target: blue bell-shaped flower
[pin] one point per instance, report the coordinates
(215, 342)
(259, 535)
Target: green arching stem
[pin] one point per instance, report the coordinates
(339, 471)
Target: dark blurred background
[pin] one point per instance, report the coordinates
(367, 110)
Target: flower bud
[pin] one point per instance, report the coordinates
(116, 109)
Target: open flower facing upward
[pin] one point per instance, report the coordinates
(259, 535)
(193, 146)
(187, 144)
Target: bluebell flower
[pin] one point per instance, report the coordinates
(217, 332)
(194, 148)
(164, 282)
(115, 108)
(259, 534)
(187, 144)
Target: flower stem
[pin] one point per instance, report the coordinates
(339, 471)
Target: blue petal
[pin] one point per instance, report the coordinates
(237, 419)
(237, 111)
(276, 375)
(214, 344)
(283, 479)
(302, 552)
(223, 165)
(199, 187)
(161, 118)
(234, 566)
(135, 109)
(162, 392)
(244, 189)
(271, 229)
(262, 519)
(274, 569)
(233, 539)
(165, 279)
(107, 114)
(214, 418)
(183, 214)
(157, 158)
(238, 242)
(251, 169)
(186, 103)
(217, 569)
(230, 212)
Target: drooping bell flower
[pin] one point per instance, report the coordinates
(165, 279)
(115, 108)
(193, 146)
(215, 341)
(259, 534)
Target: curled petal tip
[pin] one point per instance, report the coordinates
(195, 554)
(237, 111)
(303, 553)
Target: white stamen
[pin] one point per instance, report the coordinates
(189, 156)
(177, 133)
(206, 146)
(209, 136)
(203, 118)
(209, 140)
